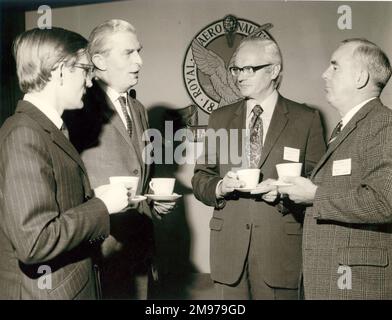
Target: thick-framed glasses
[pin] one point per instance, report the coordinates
(88, 68)
(248, 70)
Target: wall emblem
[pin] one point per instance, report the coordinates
(205, 69)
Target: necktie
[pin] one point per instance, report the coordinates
(123, 103)
(336, 131)
(256, 136)
(64, 130)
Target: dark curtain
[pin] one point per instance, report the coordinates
(12, 22)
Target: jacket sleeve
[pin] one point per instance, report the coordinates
(315, 148)
(30, 212)
(206, 174)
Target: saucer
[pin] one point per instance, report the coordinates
(138, 199)
(280, 184)
(158, 197)
(245, 189)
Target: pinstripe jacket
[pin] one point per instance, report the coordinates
(348, 230)
(48, 218)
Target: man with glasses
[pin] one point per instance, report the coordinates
(256, 239)
(108, 132)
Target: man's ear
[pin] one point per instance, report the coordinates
(58, 73)
(99, 61)
(362, 78)
(275, 71)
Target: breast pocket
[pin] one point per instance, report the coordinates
(72, 284)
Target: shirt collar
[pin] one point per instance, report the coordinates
(268, 104)
(112, 93)
(45, 108)
(349, 115)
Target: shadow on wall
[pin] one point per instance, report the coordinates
(172, 233)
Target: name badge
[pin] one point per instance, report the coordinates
(341, 167)
(291, 154)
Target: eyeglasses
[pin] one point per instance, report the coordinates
(247, 70)
(88, 68)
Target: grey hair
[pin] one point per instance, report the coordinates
(373, 59)
(270, 50)
(98, 43)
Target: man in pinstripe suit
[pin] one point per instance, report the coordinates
(347, 239)
(49, 217)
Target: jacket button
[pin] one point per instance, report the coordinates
(136, 171)
(247, 226)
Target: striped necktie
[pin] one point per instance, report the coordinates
(124, 108)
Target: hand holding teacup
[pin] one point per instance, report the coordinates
(163, 187)
(300, 190)
(129, 182)
(229, 183)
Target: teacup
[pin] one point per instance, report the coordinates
(290, 169)
(249, 176)
(130, 182)
(162, 186)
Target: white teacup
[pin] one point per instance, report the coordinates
(162, 186)
(249, 176)
(291, 169)
(128, 182)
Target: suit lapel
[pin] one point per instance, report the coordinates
(110, 113)
(278, 123)
(137, 134)
(56, 135)
(238, 122)
(351, 125)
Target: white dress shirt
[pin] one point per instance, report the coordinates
(113, 96)
(46, 109)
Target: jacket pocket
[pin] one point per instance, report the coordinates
(293, 228)
(75, 281)
(362, 256)
(216, 224)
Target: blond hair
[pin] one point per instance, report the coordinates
(39, 51)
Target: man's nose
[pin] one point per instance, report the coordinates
(138, 59)
(325, 74)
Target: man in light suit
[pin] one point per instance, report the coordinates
(347, 243)
(108, 133)
(255, 248)
(50, 219)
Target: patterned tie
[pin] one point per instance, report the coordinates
(64, 130)
(336, 131)
(123, 103)
(256, 137)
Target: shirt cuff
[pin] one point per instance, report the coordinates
(217, 190)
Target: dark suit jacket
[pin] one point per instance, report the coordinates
(107, 150)
(278, 236)
(350, 222)
(47, 214)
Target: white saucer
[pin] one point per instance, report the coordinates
(245, 189)
(280, 184)
(158, 197)
(138, 199)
